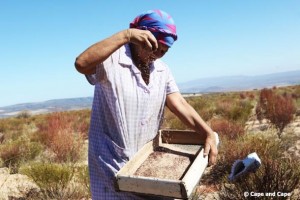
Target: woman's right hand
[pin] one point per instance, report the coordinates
(87, 61)
(143, 38)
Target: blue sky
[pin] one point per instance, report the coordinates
(39, 41)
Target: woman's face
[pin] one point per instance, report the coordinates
(145, 56)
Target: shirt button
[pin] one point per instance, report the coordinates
(143, 122)
(146, 91)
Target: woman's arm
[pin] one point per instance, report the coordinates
(186, 113)
(87, 61)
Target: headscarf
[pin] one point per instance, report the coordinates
(160, 23)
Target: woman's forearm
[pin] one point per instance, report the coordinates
(86, 62)
(187, 114)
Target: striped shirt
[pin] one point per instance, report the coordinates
(126, 114)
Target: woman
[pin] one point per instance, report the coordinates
(132, 86)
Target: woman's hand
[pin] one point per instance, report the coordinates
(211, 148)
(143, 38)
(187, 114)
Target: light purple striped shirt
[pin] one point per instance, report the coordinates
(126, 114)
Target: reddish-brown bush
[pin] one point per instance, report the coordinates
(274, 176)
(277, 108)
(294, 96)
(265, 98)
(251, 96)
(66, 146)
(281, 113)
(243, 96)
(60, 133)
(231, 150)
(227, 128)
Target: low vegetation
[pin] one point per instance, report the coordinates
(51, 148)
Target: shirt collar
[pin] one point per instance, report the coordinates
(125, 55)
(125, 59)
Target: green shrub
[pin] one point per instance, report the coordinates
(82, 178)
(23, 114)
(203, 106)
(3, 126)
(171, 121)
(13, 153)
(175, 123)
(12, 128)
(15, 127)
(234, 109)
(53, 179)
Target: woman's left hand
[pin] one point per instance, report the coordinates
(210, 148)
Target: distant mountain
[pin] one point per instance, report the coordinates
(47, 106)
(238, 83)
(204, 85)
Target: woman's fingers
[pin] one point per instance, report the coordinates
(210, 149)
(144, 38)
(153, 41)
(150, 45)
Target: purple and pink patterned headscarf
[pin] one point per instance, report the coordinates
(160, 23)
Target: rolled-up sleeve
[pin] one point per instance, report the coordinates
(100, 75)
